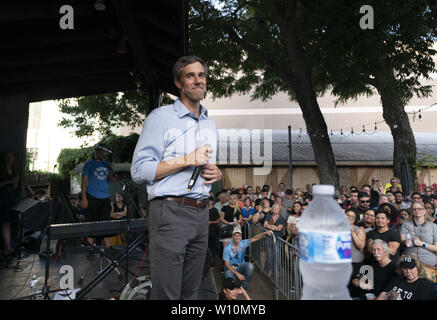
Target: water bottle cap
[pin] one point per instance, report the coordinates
(324, 189)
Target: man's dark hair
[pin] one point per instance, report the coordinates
(258, 201)
(433, 196)
(353, 188)
(235, 192)
(384, 212)
(249, 187)
(266, 186)
(397, 192)
(288, 191)
(416, 193)
(308, 196)
(363, 194)
(355, 191)
(183, 62)
(366, 185)
(264, 190)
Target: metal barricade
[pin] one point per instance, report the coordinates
(279, 261)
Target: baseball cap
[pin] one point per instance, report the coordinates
(236, 229)
(407, 262)
(102, 148)
(231, 284)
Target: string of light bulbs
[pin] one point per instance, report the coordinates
(347, 133)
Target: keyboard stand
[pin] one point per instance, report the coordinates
(115, 263)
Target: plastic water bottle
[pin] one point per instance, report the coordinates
(325, 248)
(33, 286)
(409, 237)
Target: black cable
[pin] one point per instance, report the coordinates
(26, 281)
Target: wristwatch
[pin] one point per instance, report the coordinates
(424, 245)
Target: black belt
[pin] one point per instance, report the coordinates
(198, 203)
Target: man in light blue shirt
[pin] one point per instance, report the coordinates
(233, 256)
(175, 139)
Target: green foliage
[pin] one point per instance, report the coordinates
(122, 149)
(29, 160)
(103, 112)
(69, 158)
(397, 53)
(425, 160)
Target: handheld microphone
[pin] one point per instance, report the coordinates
(194, 177)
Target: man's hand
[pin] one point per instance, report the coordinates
(211, 173)
(240, 276)
(200, 156)
(84, 202)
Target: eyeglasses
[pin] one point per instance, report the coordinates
(365, 201)
(415, 198)
(417, 209)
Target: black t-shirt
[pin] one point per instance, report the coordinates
(421, 289)
(213, 216)
(280, 220)
(388, 236)
(381, 276)
(262, 216)
(229, 213)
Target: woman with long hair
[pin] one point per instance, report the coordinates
(9, 178)
(259, 217)
(292, 219)
(410, 284)
(118, 207)
(230, 216)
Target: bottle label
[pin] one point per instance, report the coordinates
(325, 247)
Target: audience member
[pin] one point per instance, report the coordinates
(233, 256)
(410, 283)
(424, 238)
(384, 233)
(9, 193)
(231, 290)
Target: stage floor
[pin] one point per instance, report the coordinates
(16, 274)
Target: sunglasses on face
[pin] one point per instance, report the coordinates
(365, 201)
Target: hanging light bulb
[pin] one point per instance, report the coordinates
(420, 115)
(375, 127)
(99, 5)
(352, 130)
(364, 129)
(341, 131)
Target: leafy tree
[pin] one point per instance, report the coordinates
(122, 149)
(101, 113)
(263, 45)
(392, 59)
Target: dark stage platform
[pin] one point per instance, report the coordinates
(16, 275)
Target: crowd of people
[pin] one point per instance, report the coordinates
(393, 235)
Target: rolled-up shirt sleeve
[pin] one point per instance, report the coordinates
(149, 149)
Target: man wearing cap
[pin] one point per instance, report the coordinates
(175, 140)
(96, 174)
(410, 283)
(233, 256)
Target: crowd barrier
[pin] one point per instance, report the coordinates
(278, 260)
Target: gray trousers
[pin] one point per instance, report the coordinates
(178, 238)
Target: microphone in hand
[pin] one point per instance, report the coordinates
(194, 177)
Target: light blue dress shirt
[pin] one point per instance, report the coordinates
(169, 132)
